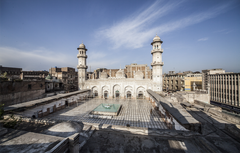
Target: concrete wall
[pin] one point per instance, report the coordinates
(17, 92)
(173, 114)
(190, 97)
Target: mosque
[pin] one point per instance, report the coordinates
(131, 82)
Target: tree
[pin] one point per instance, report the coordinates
(4, 75)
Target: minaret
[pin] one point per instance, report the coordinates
(82, 66)
(157, 63)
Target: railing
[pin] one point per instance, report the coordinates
(156, 50)
(82, 66)
(157, 63)
(80, 55)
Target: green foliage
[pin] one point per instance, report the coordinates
(4, 75)
(11, 122)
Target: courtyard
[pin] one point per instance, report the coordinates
(135, 113)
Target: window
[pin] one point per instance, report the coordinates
(29, 86)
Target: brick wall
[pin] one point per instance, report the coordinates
(17, 92)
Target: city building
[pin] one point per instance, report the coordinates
(205, 75)
(12, 73)
(67, 75)
(173, 81)
(52, 84)
(33, 75)
(193, 81)
(133, 68)
(131, 82)
(129, 71)
(224, 88)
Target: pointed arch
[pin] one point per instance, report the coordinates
(128, 89)
(95, 91)
(140, 92)
(116, 91)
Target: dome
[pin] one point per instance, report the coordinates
(120, 74)
(156, 38)
(82, 46)
(64, 129)
(138, 75)
(48, 77)
(103, 75)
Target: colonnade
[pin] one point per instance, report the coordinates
(62, 103)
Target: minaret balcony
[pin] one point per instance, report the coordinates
(157, 63)
(81, 55)
(157, 50)
(82, 67)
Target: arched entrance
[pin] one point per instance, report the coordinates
(140, 95)
(117, 94)
(95, 94)
(105, 94)
(116, 91)
(129, 94)
(95, 91)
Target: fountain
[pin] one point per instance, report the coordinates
(107, 109)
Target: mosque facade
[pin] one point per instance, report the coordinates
(131, 82)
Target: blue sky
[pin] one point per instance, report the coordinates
(196, 35)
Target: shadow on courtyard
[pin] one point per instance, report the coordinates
(107, 139)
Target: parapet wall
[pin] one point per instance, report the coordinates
(64, 99)
(191, 96)
(19, 97)
(174, 115)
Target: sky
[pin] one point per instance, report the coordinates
(197, 35)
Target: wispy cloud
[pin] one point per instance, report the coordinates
(43, 59)
(203, 39)
(223, 31)
(39, 59)
(130, 32)
(136, 30)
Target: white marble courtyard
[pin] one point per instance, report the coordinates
(133, 112)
